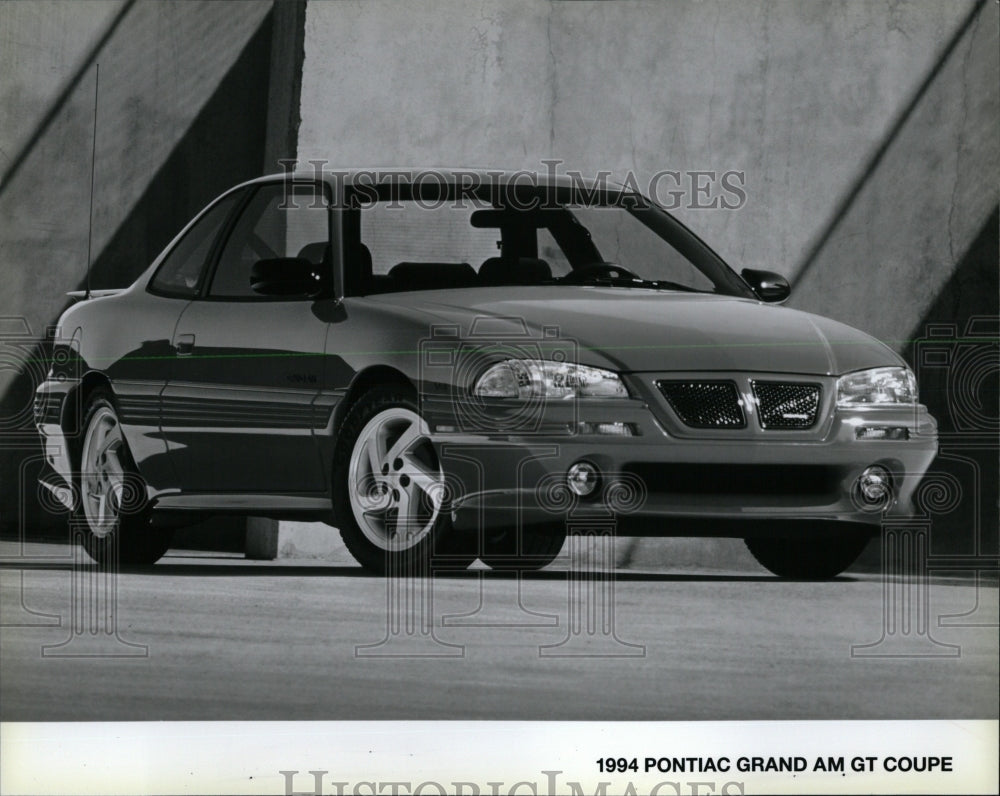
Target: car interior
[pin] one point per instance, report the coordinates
(518, 237)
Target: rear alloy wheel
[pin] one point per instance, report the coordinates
(539, 546)
(389, 487)
(112, 508)
(805, 558)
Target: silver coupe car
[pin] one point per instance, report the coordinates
(451, 364)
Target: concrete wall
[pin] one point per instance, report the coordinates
(156, 75)
(41, 44)
(917, 204)
(798, 95)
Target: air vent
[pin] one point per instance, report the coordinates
(705, 404)
(786, 405)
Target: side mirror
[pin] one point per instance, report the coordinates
(285, 276)
(769, 286)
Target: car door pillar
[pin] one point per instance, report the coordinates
(338, 211)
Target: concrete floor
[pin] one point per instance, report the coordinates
(213, 636)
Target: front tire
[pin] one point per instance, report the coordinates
(808, 558)
(112, 511)
(389, 489)
(536, 548)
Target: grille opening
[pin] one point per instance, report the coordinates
(736, 479)
(786, 405)
(705, 404)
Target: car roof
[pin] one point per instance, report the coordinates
(450, 174)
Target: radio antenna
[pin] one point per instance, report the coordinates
(93, 158)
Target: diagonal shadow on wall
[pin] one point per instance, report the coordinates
(59, 104)
(871, 166)
(956, 353)
(224, 145)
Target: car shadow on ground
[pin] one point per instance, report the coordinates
(238, 568)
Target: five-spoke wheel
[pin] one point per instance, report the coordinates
(389, 489)
(397, 486)
(112, 509)
(102, 477)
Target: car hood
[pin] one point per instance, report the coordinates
(633, 330)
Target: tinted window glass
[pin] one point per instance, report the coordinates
(623, 239)
(180, 272)
(549, 250)
(400, 232)
(271, 227)
(433, 236)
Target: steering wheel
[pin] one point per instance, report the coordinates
(593, 271)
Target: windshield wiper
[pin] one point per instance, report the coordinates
(648, 284)
(663, 284)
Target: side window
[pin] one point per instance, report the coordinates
(272, 226)
(180, 273)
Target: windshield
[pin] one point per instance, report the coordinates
(431, 240)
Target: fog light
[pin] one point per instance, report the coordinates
(875, 484)
(615, 429)
(582, 478)
(607, 429)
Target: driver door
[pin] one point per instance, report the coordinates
(238, 410)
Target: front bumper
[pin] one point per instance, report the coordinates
(507, 467)
(51, 413)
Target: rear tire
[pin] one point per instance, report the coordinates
(112, 512)
(808, 558)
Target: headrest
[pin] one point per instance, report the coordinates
(316, 253)
(364, 260)
(522, 271)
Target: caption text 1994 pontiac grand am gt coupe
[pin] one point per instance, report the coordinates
(470, 366)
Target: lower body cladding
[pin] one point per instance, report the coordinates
(614, 462)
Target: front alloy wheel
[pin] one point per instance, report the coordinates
(388, 486)
(396, 485)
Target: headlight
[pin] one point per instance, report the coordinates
(538, 378)
(877, 386)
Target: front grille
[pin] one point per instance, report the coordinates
(705, 404)
(786, 405)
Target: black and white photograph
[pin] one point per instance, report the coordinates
(498, 397)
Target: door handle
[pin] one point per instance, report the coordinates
(184, 344)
